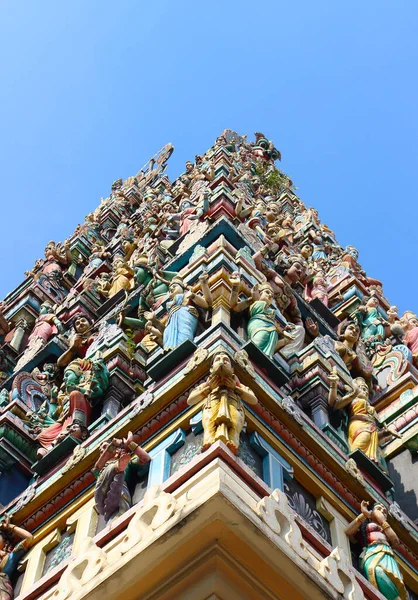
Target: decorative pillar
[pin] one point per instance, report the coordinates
(159, 469)
(337, 525)
(319, 407)
(84, 523)
(33, 562)
(275, 468)
(18, 334)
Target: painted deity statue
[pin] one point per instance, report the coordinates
(189, 213)
(317, 287)
(80, 341)
(182, 303)
(111, 494)
(371, 323)
(223, 413)
(10, 554)
(352, 352)
(48, 272)
(46, 326)
(409, 323)
(349, 259)
(285, 298)
(84, 380)
(377, 561)
(262, 328)
(97, 257)
(364, 431)
(122, 277)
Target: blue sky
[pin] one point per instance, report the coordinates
(91, 89)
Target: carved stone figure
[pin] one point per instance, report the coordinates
(364, 431)
(350, 349)
(182, 319)
(409, 322)
(83, 380)
(378, 561)
(223, 413)
(80, 341)
(111, 493)
(46, 326)
(10, 554)
(262, 328)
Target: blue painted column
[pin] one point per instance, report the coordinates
(275, 468)
(159, 469)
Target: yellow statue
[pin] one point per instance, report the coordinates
(223, 413)
(122, 277)
(364, 432)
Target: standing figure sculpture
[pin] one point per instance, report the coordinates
(285, 299)
(10, 554)
(111, 494)
(262, 328)
(351, 350)
(223, 413)
(317, 287)
(409, 323)
(46, 326)
(364, 431)
(378, 561)
(182, 304)
(80, 342)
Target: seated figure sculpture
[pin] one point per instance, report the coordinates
(83, 380)
(223, 413)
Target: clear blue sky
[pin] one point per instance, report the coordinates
(91, 89)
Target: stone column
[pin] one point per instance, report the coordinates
(337, 525)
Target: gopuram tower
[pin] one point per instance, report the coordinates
(203, 396)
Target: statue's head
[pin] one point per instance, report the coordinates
(46, 308)
(72, 378)
(221, 364)
(82, 323)
(350, 331)
(78, 430)
(296, 268)
(50, 249)
(379, 509)
(352, 252)
(177, 286)
(372, 302)
(5, 541)
(189, 166)
(409, 320)
(363, 387)
(306, 251)
(266, 293)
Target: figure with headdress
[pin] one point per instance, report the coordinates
(364, 430)
(80, 341)
(84, 380)
(111, 495)
(293, 272)
(223, 414)
(262, 328)
(377, 561)
(182, 306)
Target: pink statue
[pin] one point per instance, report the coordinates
(409, 322)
